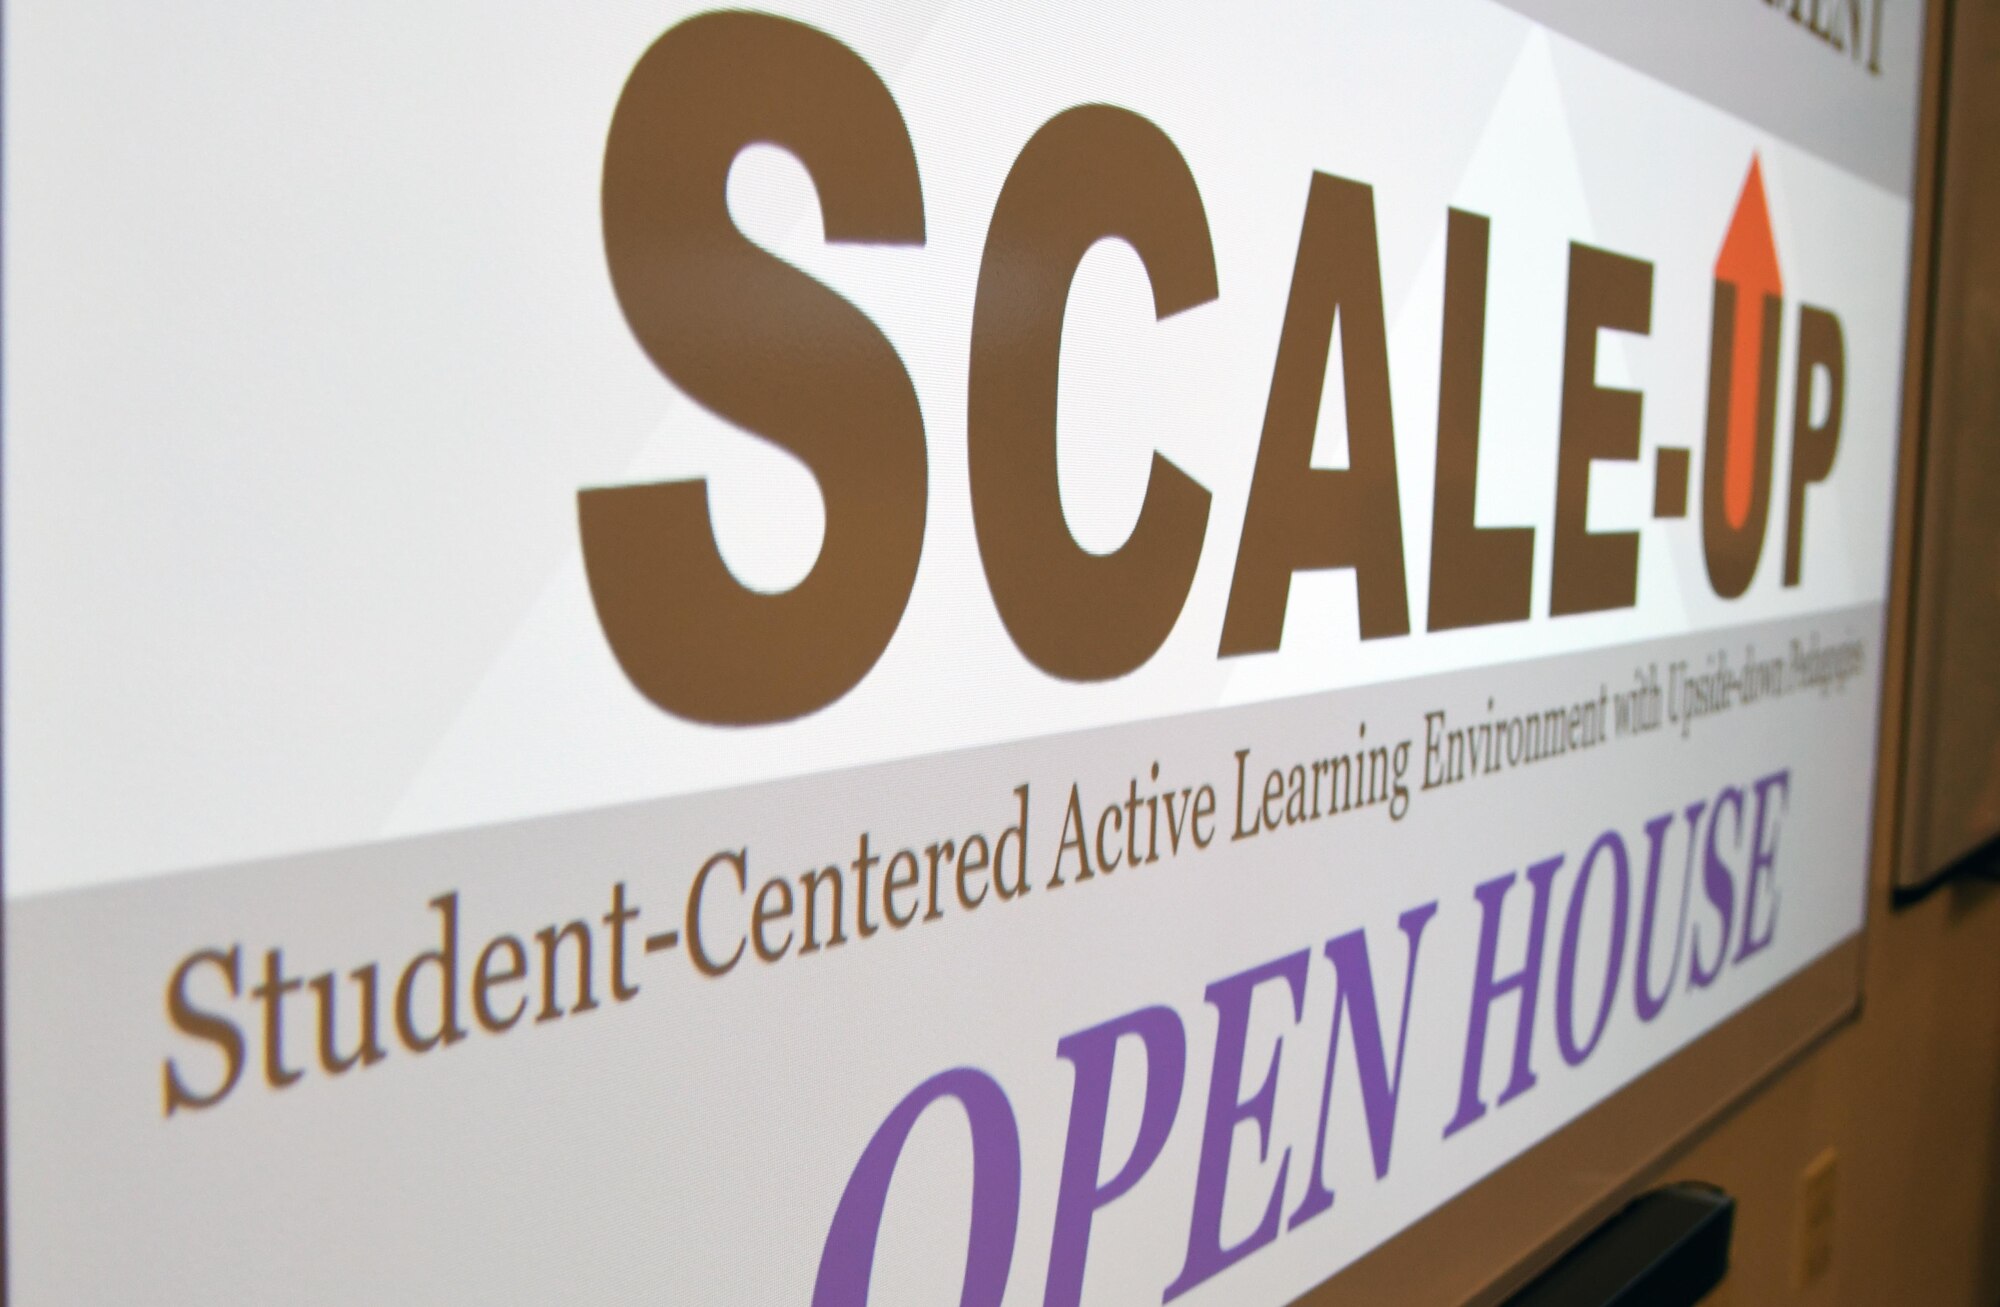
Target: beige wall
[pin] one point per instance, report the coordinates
(1909, 1098)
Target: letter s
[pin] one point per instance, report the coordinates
(760, 344)
(1718, 881)
(191, 1020)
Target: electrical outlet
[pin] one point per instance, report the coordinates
(1813, 1237)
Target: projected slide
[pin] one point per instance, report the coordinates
(912, 653)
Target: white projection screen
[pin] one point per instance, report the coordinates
(927, 652)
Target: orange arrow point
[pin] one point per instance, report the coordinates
(1749, 262)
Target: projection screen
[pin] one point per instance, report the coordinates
(924, 652)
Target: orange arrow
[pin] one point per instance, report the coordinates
(1749, 262)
